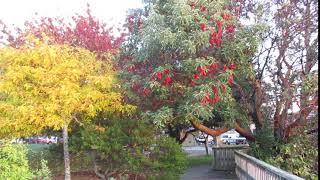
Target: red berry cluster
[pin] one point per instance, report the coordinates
(205, 71)
(165, 76)
(215, 98)
(227, 16)
(230, 67)
(140, 90)
(203, 9)
(131, 69)
(203, 26)
(193, 5)
(230, 29)
(211, 100)
(131, 21)
(215, 37)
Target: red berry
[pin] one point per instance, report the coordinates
(201, 69)
(167, 81)
(130, 18)
(230, 80)
(207, 97)
(203, 8)
(227, 16)
(230, 29)
(218, 42)
(232, 66)
(212, 42)
(135, 86)
(204, 102)
(219, 24)
(214, 34)
(167, 71)
(159, 75)
(214, 66)
(225, 67)
(202, 26)
(223, 87)
(214, 89)
(146, 91)
(196, 76)
(193, 5)
(139, 23)
(216, 99)
(130, 69)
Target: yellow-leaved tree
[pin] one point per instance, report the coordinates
(49, 86)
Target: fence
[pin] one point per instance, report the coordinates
(223, 157)
(250, 168)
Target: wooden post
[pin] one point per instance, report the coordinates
(223, 156)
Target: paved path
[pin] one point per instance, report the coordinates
(204, 172)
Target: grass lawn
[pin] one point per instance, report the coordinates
(199, 160)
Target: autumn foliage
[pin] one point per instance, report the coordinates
(84, 31)
(49, 85)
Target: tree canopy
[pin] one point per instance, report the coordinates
(46, 86)
(182, 58)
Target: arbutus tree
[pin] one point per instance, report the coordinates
(182, 59)
(285, 66)
(283, 100)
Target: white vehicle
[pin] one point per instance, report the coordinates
(201, 139)
(17, 141)
(233, 139)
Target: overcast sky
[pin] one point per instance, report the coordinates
(112, 12)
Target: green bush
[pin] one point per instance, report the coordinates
(298, 156)
(53, 156)
(130, 147)
(14, 162)
(43, 173)
(168, 159)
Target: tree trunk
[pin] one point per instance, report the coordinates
(243, 132)
(66, 153)
(206, 145)
(218, 141)
(95, 166)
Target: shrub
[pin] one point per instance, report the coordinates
(43, 173)
(130, 147)
(14, 162)
(298, 156)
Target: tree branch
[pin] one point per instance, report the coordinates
(217, 132)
